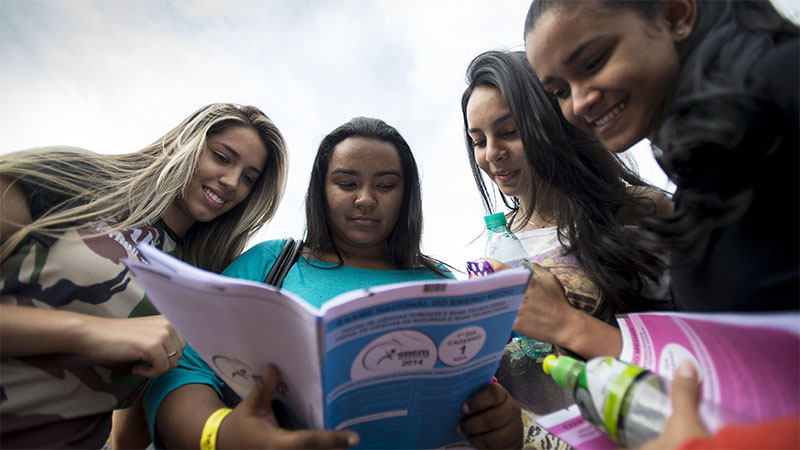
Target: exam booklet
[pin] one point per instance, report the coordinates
(393, 363)
(748, 363)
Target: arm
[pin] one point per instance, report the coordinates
(182, 414)
(14, 204)
(546, 316)
(28, 331)
(129, 427)
(496, 420)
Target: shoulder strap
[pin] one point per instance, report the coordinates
(285, 260)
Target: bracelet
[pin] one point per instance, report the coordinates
(208, 440)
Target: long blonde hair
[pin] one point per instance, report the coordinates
(135, 189)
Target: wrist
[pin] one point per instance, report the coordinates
(568, 334)
(69, 332)
(589, 336)
(82, 333)
(209, 437)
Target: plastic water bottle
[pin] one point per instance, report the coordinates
(503, 246)
(628, 403)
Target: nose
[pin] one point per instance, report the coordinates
(365, 198)
(230, 179)
(584, 97)
(495, 151)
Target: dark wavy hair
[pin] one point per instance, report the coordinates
(719, 126)
(403, 243)
(574, 176)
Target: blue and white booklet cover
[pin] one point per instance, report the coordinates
(393, 363)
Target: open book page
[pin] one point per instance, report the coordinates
(238, 327)
(749, 364)
(401, 359)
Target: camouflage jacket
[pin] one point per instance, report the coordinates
(61, 400)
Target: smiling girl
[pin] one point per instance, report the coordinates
(572, 206)
(714, 86)
(78, 336)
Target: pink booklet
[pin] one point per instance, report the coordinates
(749, 364)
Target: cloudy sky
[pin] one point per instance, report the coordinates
(114, 75)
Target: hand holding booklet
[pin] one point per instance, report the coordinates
(393, 363)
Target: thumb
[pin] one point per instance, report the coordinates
(496, 265)
(260, 398)
(685, 390)
(539, 271)
(314, 439)
(145, 370)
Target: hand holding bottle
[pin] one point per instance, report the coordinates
(545, 315)
(632, 405)
(502, 245)
(544, 309)
(685, 422)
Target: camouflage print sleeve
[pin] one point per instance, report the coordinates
(59, 400)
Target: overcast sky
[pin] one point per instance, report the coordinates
(114, 75)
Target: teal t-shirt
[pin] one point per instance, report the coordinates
(318, 281)
(314, 284)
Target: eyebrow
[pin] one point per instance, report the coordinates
(238, 156)
(495, 123)
(379, 173)
(572, 57)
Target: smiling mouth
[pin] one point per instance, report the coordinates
(610, 115)
(214, 197)
(505, 175)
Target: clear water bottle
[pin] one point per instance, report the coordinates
(503, 246)
(628, 403)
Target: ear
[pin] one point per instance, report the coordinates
(680, 15)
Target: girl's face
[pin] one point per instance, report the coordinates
(498, 148)
(364, 193)
(226, 172)
(609, 69)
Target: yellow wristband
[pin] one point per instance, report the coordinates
(208, 440)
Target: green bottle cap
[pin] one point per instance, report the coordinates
(558, 368)
(495, 220)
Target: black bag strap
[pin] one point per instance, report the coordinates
(285, 260)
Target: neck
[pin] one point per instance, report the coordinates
(539, 218)
(374, 258)
(176, 220)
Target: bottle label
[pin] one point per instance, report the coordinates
(608, 379)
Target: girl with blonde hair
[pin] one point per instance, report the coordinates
(139, 187)
(77, 334)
